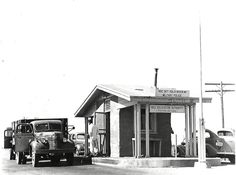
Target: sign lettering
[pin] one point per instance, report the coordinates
(166, 109)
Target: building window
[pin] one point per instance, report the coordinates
(152, 121)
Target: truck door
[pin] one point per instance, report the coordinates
(24, 134)
(8, 138)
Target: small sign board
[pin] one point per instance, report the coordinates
(166, 109)
(172, 93)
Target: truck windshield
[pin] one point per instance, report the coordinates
(44, 127)
(55, 126)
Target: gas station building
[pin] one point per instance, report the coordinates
(136, 121)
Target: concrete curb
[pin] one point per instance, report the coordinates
(131, 162)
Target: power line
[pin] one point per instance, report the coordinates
(221, 92)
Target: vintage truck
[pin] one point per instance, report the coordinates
(40, 139)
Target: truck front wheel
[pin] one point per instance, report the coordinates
(70, 158)
(35, 159)
(55, 160)
(19, 157)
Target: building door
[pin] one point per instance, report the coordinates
(102, 120)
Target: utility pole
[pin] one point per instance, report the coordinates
(201, 139)
(221, 92)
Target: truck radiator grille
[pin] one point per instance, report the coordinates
(56, 141)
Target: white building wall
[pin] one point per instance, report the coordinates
(114, 130)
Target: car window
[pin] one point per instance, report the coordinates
(80, 136)
(220, 133)
(225, 133)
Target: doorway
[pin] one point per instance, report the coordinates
(102, 120)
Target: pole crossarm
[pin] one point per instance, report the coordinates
(219, 84)
(221, 92)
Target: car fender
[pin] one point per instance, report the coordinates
(210, 151)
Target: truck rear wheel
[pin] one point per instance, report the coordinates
(35, 159)
(70, 158)
(24, 159)
(19, 157)
(12, 154)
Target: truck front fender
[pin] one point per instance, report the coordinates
(37, 145)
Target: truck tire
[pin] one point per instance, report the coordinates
(12, 154)
(70, 158)
(55, 160)
(35, 159)
(19, 157)
(24, 159)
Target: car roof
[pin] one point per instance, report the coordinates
(226, 129)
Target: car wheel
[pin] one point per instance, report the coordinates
(232, 159)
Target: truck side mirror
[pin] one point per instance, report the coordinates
(71, 127)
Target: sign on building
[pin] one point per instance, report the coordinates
(172, 93)
(166, 109)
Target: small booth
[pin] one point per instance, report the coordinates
(136, 121)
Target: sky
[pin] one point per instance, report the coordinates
(54, 52)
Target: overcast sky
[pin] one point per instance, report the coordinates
(54, 52)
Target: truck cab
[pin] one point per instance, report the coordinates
(40, 139)
(50, 142)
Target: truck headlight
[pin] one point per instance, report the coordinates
(44, 141)
(64, 140)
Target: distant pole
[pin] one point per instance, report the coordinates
(221, 92)
(222, 104)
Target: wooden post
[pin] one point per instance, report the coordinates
(135, 131)
(86, 136)
(186, 131)
(138, 130)
(190, 131)
(147, 130)
(194, 131)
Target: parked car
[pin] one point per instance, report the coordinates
(79, 140)
(215, 147)
(229, 136)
